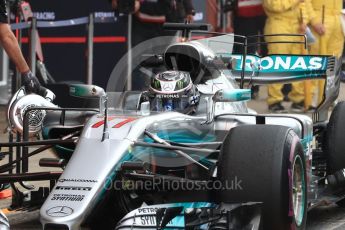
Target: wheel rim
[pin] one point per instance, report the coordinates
(298, 190)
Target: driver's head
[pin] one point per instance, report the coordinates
(173, 91)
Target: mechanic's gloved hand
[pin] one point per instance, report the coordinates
(31, 83)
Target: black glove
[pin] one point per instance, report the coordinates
(31, 83)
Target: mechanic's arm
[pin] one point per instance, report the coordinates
(155, 19)
(304, 17)
(10, 44)
(190, 11)
(314, 20)
(149, 18)
(280, 6)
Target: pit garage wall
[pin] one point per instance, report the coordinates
(65, 48)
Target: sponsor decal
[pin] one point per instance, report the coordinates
(68, 197)
(168, 96)
(105, 15)
(116, 126)
(147, 210)
(282, 63)
(77, 180)
(72, 188)
(45, 16)
(169, 86)
(59, 211)
(150, 219)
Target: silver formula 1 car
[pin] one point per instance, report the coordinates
(187, 153)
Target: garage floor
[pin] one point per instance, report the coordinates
(324, 217)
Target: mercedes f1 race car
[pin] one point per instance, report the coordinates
(187, 152)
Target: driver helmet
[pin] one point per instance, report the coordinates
(173, 91)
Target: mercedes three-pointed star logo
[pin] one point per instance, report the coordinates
(59, 211)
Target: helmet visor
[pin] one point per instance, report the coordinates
(169, 104)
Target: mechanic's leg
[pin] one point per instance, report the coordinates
(335, 43)
(315, 50)
(274, 26)
(275, 94)
(297, 93)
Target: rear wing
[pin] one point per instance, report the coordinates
(289, 68)
(281, 68)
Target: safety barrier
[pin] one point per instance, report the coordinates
(90, 21)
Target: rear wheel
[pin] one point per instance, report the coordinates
(335, 144)
(269, 162)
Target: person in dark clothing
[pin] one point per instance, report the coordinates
(249, 19)
(147, 23)
(150, 15)
(9, 42)
(180, 11)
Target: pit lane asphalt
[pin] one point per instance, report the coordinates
(328, 217)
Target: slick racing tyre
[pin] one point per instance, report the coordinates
(269, 162)
(334, 142)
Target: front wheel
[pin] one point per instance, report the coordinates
(269, 161)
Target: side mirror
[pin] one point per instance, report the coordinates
(228, 95)
(145, 108)
(86, 91)
(233, 95)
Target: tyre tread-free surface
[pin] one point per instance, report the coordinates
(259, 156)
(335, 139)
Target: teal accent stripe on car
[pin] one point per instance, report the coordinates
(238, 94)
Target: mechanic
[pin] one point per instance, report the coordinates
(327, 28)
(249, 19)
(219, 15)
(181, 11)
(284, 17)
(173, 91)
(150, 15)
(326, 24)
(10, 44)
